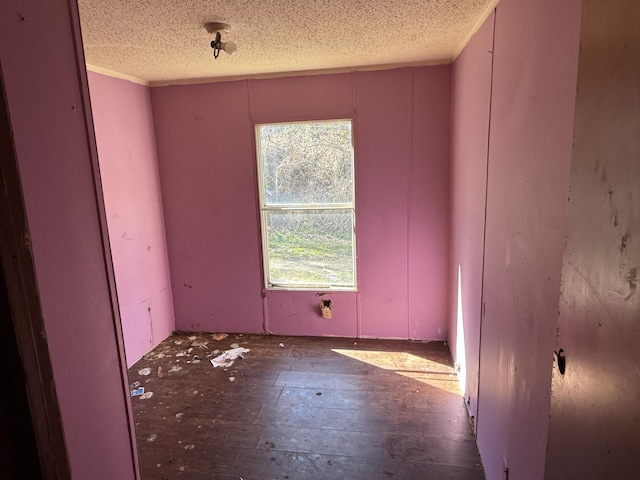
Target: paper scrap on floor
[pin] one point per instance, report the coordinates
(226, 358)
(137, 392)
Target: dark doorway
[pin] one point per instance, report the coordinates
(18, 450)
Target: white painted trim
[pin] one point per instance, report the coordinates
(121, 76)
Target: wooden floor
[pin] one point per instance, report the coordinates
(301, 408)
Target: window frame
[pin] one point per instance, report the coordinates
(263, 209)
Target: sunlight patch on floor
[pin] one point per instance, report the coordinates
(409, 365)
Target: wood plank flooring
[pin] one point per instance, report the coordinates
(301, 408)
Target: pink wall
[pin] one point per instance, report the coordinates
(471, 90)
(205, 157)
(531, 126)
(209, 189)
(402, 168)
(46, 94)
(129, 172)
(428, 210)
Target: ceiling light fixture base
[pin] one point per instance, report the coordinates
(217, 27)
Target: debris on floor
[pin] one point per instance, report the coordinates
(227, 358)
(144, 371)
(146, 395)
(219, 336)
(137, 392)
(234, 345)
(194, 410)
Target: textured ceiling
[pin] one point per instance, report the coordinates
(164, 41)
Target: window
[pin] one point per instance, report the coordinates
(307, 204)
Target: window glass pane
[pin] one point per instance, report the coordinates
(310, 247)
(307, 163)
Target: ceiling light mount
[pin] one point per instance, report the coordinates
(215, 27)
(217, 44)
